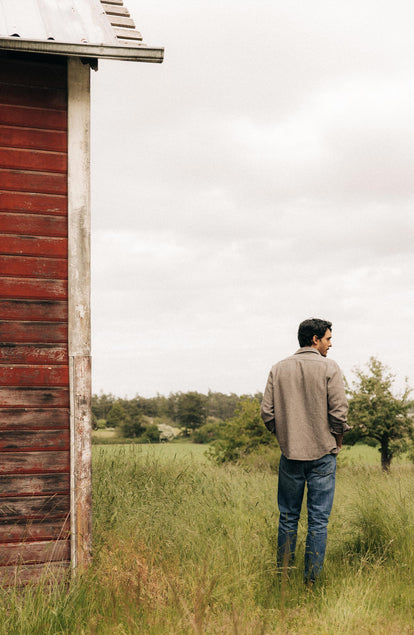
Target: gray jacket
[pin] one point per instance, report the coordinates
(305, 405)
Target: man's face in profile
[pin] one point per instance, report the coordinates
(324, 343)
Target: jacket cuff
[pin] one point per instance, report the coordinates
(339, 428)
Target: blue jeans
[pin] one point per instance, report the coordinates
(320, 478)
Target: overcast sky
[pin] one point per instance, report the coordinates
(263, 174)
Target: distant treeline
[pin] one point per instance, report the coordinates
(180, 408)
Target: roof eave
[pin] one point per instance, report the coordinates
(135, 53)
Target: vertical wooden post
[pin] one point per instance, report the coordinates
(79, 310)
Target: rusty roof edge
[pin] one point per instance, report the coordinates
(136, 53)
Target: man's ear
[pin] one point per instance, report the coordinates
(315, 340)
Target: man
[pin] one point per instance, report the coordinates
(305, 405)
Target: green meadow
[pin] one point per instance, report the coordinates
(185, 546)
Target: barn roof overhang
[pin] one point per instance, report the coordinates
(88, 51)
(88, 29)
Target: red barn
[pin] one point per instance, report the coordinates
(46, 52)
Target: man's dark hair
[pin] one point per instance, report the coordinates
(311, 327)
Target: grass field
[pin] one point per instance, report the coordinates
(357, 455)
(157, 452)
(184, 546)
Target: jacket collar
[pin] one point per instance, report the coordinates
(307, 349)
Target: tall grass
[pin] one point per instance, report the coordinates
(182, 546)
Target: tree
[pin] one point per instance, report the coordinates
(191, 410)
(101, 404)
(132, 428)
(116, 415)
(376, 413)
(221, 406)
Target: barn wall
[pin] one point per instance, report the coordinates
(34, 359)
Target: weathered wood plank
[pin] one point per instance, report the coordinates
(79, 309)
(34, 462)
(33, 246)
(40, 160)
(20, 375)
(32, 332)
(33, 225)
(33, 267)
(82, 457)
(26, 72)
(36, 97)
(34, 397)
(34, 552)
(12, 115)
(122, 21)
(26, 310)
(36, 440)
(33, 181)
(58, 529)
(36, 289)
(34, 507)
(34, 418)
(127, 34)
(34, 485)
(111, 9)
(14, 137)
(33, 353)
(34, 203)
(21, 575)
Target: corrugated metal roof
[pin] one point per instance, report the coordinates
(84, 28)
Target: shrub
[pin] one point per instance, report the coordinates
(242, 435)
(209, 432)
(151, 435)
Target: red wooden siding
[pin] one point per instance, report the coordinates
(34, 374)
(33, 246)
